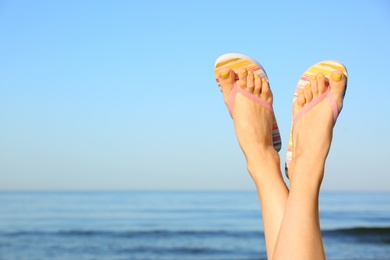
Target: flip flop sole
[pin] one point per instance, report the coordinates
(236, 62)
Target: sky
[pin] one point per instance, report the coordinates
(121, 95)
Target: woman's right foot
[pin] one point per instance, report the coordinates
(312, 133)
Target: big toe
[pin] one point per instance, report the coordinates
(226, 78)
(338, 86)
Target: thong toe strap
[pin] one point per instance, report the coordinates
(317, 100)
(236, 89)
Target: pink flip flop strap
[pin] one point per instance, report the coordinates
(236, 89)
(312, 104)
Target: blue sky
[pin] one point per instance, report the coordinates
(114, 95)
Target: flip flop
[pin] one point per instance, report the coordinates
(326, 67)
(236, 62)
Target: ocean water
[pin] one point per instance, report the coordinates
(176, 225)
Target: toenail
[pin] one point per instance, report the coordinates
(301, 91)
(313, 77)
(249, 72)
(242, 71)
(256, 76)
(320, 75)
(263, 80)
(225, 75)
(307, 86)
(336, 77)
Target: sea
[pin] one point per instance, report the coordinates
(177, 225)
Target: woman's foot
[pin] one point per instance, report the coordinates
(253, 122)
(314, 111)
(313, 129)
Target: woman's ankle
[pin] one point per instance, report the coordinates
(306, 172)
(264, 164)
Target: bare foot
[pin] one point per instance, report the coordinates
(313, 130)
(253, 122)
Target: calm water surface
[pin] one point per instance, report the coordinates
(176, 225)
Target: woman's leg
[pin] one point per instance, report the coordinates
(300, 234)
(253, 127)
